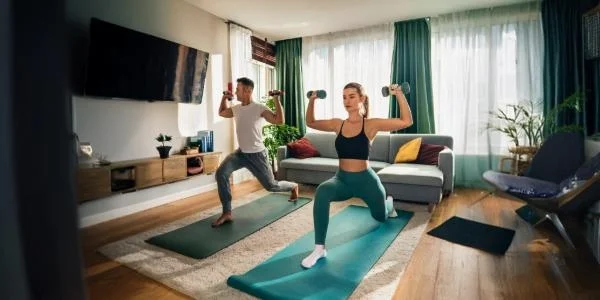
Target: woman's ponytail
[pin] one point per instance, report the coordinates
(366, 107)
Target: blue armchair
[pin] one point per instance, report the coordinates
(558, 182)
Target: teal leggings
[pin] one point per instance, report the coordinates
(343, 186)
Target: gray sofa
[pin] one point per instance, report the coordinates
(404, 181)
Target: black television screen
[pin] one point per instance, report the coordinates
(124, 63)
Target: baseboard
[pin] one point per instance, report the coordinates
(120, 212)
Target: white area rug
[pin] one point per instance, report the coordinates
(206, 278)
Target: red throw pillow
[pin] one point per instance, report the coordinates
(428, 154)
(302, 148)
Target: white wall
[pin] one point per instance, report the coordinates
(122, 129)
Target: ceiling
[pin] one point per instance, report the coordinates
(283, 19)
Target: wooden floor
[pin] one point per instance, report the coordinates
(536, 266)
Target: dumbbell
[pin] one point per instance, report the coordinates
(385, 91)
(321, 94)
(276, 93)
(228, 95)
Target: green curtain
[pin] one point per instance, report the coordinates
(593, 103)
(564, 66)
(468, 169)
(411, 62)
(288, 54)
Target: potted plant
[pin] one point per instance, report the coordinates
(277, 135)
(163, 150)
(528, 129)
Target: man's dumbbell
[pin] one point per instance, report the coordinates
(228, 95)
(276, 93)
(385, 91)
(321, 94)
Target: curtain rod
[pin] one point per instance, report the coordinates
(238, 24)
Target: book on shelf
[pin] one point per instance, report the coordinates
(206, 140)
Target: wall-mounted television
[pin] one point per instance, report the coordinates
(128, 64)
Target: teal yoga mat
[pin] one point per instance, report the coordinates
(200, 240)
(355, 241)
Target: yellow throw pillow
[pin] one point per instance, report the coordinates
(408, 152)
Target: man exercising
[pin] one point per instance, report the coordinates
(252, 153)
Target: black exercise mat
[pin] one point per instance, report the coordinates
(474, 234)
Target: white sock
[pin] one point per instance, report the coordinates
(389, 207)
(312, 259)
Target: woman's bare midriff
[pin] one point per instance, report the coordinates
(353, 165)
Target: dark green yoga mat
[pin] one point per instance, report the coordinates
(200, 240)
(475, 234)
(355, 241)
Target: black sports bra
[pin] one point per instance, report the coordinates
(356, 147)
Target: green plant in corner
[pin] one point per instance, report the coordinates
(525, 127)
(574, 102)
(277, 135)
(164, 149)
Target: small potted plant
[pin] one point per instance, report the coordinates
(163, 150)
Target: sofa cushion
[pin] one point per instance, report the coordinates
(302, 148)
(380, 148)
(324, 142)
(313, 163)
(408, 152)
(412, 174)
(323, 164)
(378, 165)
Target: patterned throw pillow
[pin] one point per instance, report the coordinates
(302, 148)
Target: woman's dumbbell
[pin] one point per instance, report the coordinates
(385, 91)
(321, 94)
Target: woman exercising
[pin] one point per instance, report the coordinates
(354, 177)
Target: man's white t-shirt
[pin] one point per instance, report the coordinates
(248, 126)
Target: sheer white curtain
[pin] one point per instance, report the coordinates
(241, 52)
(330, 61)
(483, 60)
(242, 64)
(240, 48)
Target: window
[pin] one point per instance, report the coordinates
(481, 61)
(263, 76)
(331, 61)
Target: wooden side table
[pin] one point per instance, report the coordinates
(520, 159)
